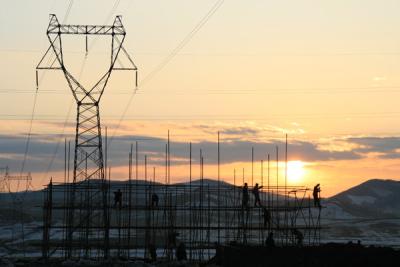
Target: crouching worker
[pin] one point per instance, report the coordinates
(299, 237)
(270, 242)
(267, 217)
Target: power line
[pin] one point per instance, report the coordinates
(71, 2)
(29, 134)
(184, 42)
(300, 90)
(35, 100)
(225, 54)
(63, 128)
(233, 117)
(173, 53)
(112, 11)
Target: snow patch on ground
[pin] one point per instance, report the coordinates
(334, 211)
(382, 192)
(359, 200)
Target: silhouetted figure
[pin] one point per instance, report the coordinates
(299, 237)
(245, 196)
(172, 239)
(153, 252)
(316, 191)
(256, 193)
(219, 254)
(267, 217)
(118, 198)
(181, 252)
(154, 200)
(270, 242)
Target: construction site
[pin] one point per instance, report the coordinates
(143, 219)
(152, 220)
(198, 221)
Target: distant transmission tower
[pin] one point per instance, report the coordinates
(89, 173)
(13, 188)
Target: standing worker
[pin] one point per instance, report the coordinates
(316, 196)
(118, 198)
(154, 200)
(181, 252)
(245, 196)
(256, 193)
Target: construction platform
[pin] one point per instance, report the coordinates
(199, 215)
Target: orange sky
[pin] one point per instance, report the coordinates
(325, 73)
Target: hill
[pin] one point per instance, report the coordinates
(374, 198)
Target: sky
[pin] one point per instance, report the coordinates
(323, 72)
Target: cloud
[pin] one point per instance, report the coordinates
(241, 131)
(43, 147)
(386, 147)
(308, 151)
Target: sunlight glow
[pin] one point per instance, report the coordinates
(295, 171)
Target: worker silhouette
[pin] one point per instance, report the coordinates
(245, 196)
(299, 237)
(154, 200)
(181, 252)
(267, 217)
(172, 239)
(153, 252)
(256, 193)
(316, 196)
(270, 242)
(118, 198)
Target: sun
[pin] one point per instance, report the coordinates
(295, 171)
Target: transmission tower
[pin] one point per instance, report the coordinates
(88, 158)
(14, 189)
(15, 185)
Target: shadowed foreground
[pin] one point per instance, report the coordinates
(325, 255)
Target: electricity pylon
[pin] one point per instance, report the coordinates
(14, 188)
(88, 158)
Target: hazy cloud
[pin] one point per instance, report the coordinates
(387, 147)
(43, 147)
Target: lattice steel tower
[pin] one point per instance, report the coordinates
(88, 159)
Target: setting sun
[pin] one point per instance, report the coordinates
(295, 171)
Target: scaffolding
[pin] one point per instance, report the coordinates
(200, 214)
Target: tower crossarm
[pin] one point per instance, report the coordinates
(56, 28)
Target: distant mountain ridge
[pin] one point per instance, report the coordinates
(375, 198)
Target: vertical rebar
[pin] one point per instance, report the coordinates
(218, 198)
(190, 202)
(252, 166)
